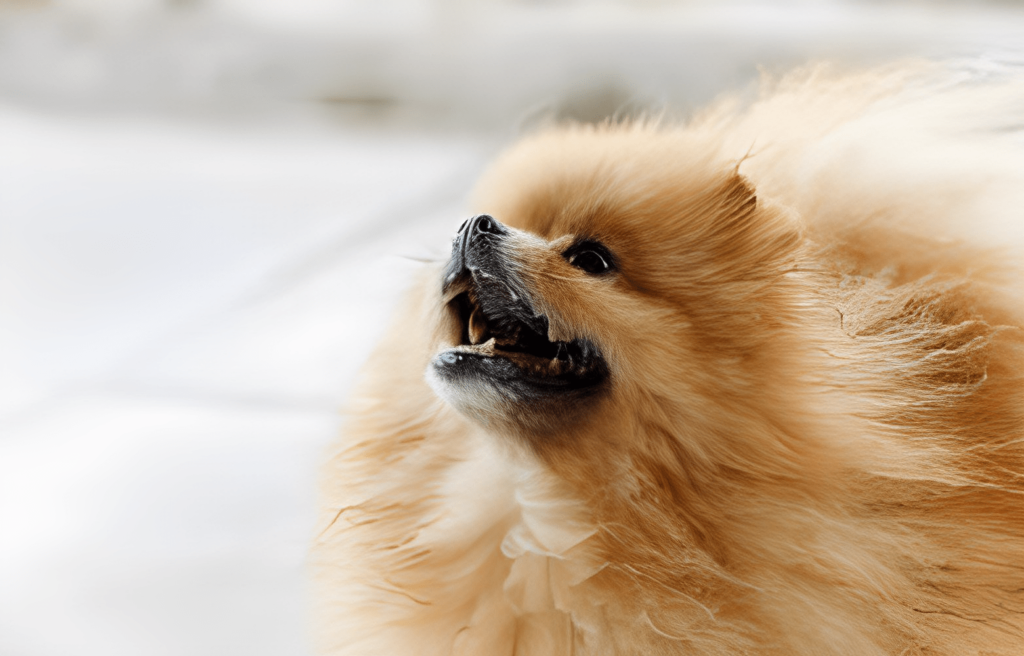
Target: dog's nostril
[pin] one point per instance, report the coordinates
(486, 224)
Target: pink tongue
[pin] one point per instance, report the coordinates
(477, 326)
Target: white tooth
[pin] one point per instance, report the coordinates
(477, 326)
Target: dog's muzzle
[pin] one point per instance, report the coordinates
(474, 247)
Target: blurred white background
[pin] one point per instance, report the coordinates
(206, 210)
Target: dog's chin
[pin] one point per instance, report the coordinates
(500, 366)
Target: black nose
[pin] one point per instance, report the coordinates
(483, 225)
(472, 247)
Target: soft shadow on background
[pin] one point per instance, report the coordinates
(206, 210)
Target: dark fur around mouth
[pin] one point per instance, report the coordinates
(499, 336)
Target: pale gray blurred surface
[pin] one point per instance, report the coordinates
(207, 210)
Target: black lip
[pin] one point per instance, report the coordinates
(515, 383)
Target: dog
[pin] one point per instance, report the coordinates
(748, 384)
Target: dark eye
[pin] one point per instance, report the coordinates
(590, 256)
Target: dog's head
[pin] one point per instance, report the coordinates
(616, 267)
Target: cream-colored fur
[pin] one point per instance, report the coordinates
(815, 439)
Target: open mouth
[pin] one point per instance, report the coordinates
(487, 327)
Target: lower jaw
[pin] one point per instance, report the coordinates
(498, 397)
(530, 364)
(523, 375)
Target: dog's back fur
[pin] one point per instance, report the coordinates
(864, 493)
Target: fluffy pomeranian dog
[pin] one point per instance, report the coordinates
(747, 385)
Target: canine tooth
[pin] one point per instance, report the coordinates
(477, 326)
(563, 352)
